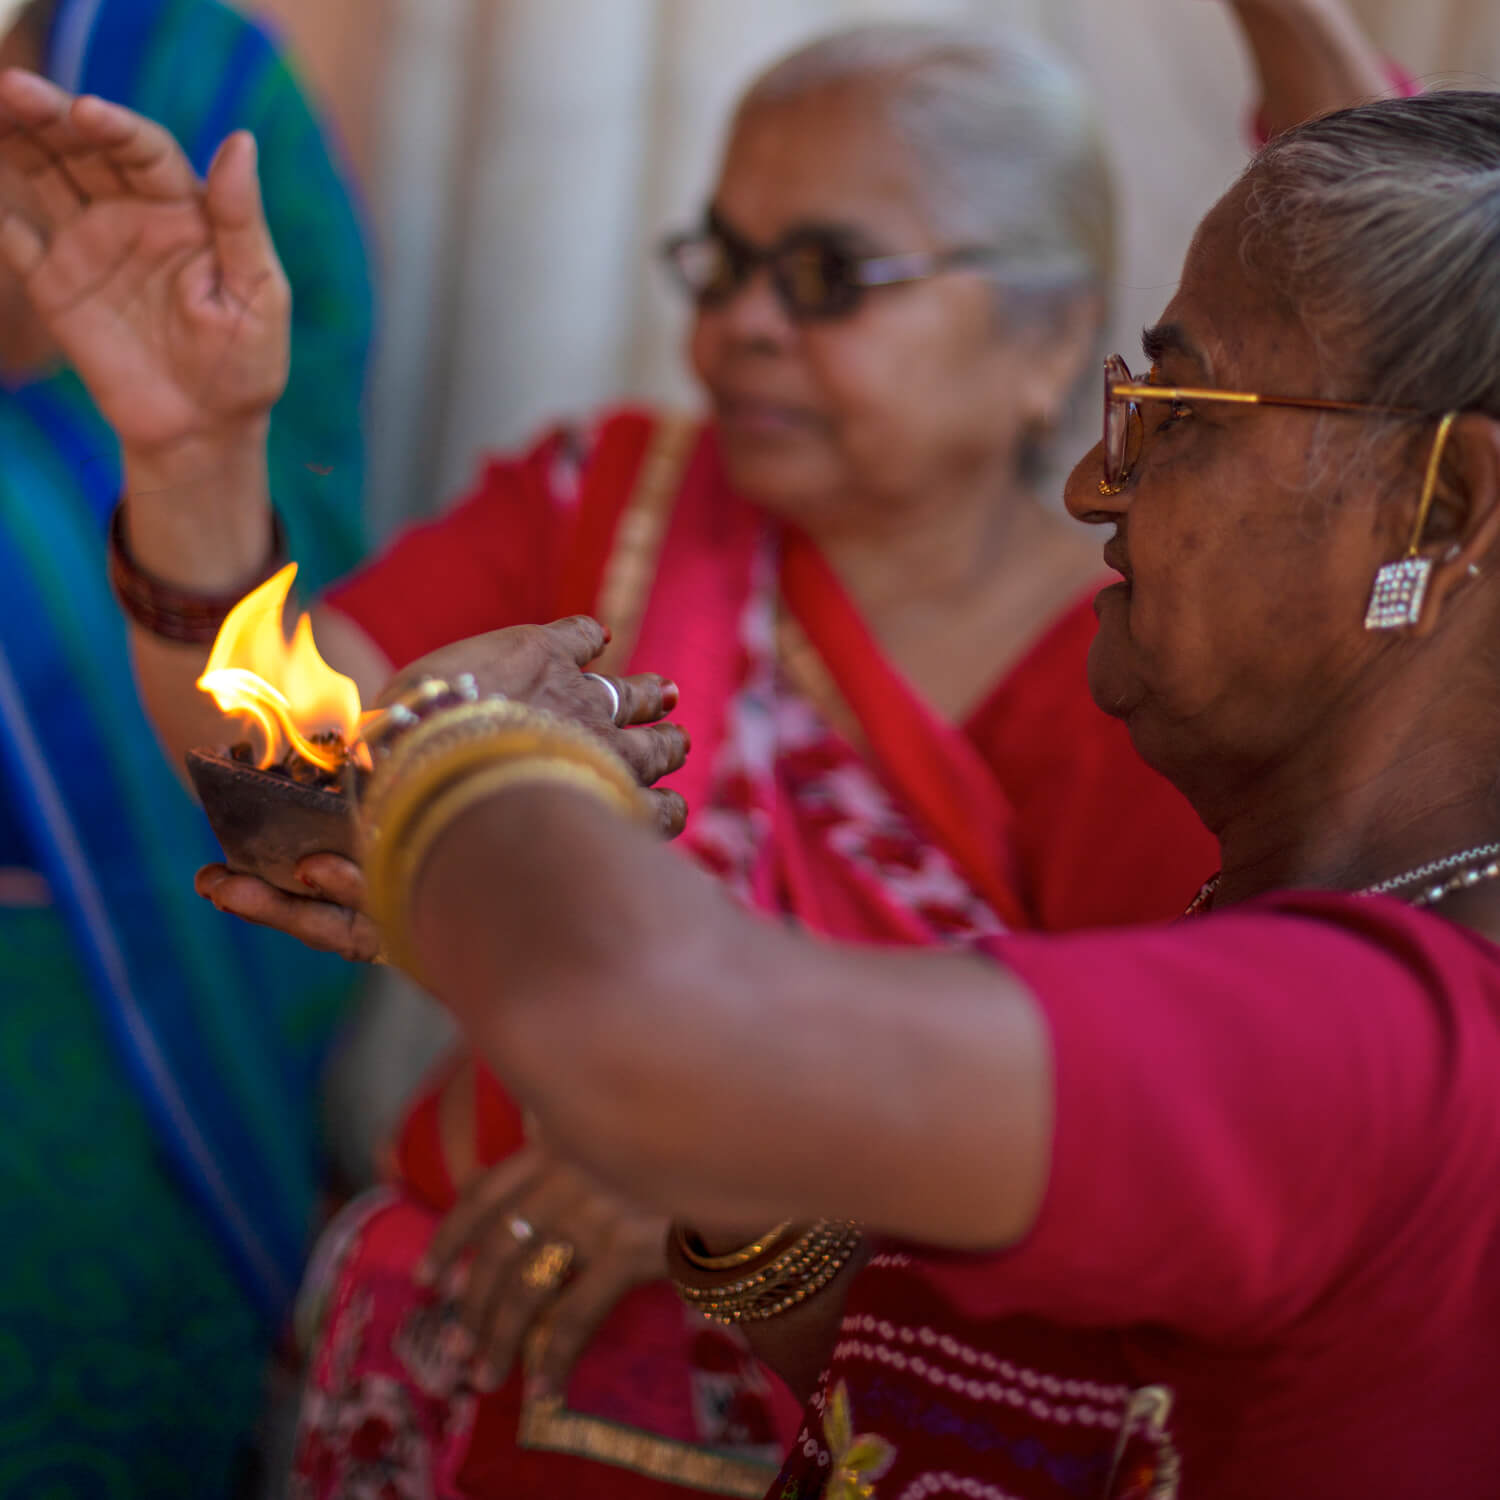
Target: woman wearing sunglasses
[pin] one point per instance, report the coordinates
(896, 285)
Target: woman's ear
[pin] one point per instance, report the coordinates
(1466, 515)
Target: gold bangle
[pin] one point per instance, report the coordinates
(445, 745)
(743, 1256)
(790, 1278)
(392, 880)
(449, 763)
(740, 1310)
(809, 1249)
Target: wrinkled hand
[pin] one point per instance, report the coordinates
(163, 292)
(330, 918)
(542, 666)
(502, 1221)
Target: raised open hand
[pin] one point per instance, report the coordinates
(163, 292)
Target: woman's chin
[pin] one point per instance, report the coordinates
(776, 476)
(1110, 677)
(1107, 598)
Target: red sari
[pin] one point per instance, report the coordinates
(824, 789)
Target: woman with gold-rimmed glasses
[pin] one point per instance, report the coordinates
(1206, 1210)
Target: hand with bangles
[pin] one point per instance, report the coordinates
(536, 1249)
(540, 666)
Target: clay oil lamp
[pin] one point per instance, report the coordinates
(283, 784)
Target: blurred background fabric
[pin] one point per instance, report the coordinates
(522, 157)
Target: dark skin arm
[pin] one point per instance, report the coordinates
(1311, 57)
(755, 1075)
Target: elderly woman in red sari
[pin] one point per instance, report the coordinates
(1195, 1210)
(897, 282)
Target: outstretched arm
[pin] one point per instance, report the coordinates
(723, 1069)
(1311, 56)
(166, 295)
(726, 1071)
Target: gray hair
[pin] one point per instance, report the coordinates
(1009, 152)
(1383, 226)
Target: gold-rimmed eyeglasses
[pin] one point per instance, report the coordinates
(1399, 587)
(1124, 426)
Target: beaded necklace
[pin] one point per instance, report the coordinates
(1472, 873)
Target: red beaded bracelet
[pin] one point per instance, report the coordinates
(172, 613)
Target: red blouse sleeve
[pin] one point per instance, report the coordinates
(1249, 1106)
(1102, 839)
(494, 559)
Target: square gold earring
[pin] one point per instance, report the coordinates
(1401, 587)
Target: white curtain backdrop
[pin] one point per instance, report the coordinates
(528, 153)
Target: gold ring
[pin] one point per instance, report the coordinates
(545, 1270)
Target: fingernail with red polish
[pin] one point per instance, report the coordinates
(311, 884)
(669, 697)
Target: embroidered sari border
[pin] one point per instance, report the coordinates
(640, 531)
(550, 1427)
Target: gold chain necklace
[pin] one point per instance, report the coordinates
(1471, 874)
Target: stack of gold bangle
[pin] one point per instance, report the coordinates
(448, 763)
(766, 1278)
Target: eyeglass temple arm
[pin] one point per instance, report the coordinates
(1308, 403)
(886, 270)
(1136, 392)
(1430, 483)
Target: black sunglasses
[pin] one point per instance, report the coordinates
(816, 273)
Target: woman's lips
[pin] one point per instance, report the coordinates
(1115, 558)
(750, 417)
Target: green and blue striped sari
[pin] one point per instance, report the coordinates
(158, 1154)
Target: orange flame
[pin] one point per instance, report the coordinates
(284, 688)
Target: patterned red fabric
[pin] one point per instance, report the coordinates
(390, 1413)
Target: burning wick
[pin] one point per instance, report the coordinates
(296, 701)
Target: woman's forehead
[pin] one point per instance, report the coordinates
(827, 156)
(1229, 322)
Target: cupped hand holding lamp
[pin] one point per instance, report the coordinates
(1225, 1165)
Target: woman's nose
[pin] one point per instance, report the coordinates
(1086, 495)
(754, 313)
